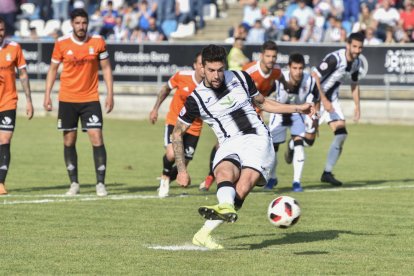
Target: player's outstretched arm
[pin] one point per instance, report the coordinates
(162, 95)
(24, 79)
(356, 96)
(273, 106)
(109, 82)
(50, 80)
(183, 178)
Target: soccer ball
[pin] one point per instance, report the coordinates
(283, 211)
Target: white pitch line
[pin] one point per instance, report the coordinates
(184, 247)
(55, 198)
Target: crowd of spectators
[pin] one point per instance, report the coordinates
(116, 20)
(312, 21)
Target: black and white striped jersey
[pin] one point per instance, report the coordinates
(305, 92)
(335, 69)
(228, 110)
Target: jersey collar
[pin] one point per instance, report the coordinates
(79, 42)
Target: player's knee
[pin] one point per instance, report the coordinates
(340, 136)
(308, 142)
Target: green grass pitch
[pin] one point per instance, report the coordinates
(364, 228)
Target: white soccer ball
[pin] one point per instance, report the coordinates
(283, 211)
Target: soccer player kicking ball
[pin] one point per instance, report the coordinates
(333, 70)
(303, 89)
(11, 57)
(81, 56)
(224, 100)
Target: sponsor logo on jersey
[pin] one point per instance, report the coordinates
(8, 57)
(323, 66)
(69, 53)
(189, 152)
(91, 50)
(227, 101)
(186, 89)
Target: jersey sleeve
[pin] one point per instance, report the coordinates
(57, 56)
(21, 61)
(327, 66)
(250, 85)
(313, 96)
(173, 81)
(103, 52)
(189, 112)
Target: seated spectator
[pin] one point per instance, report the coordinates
(333, 32)
(389, 36)
(137, 35)
(256, 33)
(386, 16)
(60, 9)
(303, 13)
(320, 19)
(251, 12)
(293, 31)
(351, 10)
(236, 58)
(166, 16)
(365, 20)
(239, 31)
(144, 14)
(121, 33)
(407, 15)
(370, 38)
(95, 22)
(109, 20)
(154, 33)
(275, 24)
(130, 18)
(311, 32)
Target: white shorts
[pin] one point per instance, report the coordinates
(336, 115)
(249, 151)
(278, 131)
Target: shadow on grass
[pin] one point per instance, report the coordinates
(297, 237)
(327, 186)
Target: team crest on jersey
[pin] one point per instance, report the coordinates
(183, 111)
(186, 89)
(91, 50)
(69, 52)
(8, 57)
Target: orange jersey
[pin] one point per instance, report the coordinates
(11, 57)
(79, 77)
(185, 83)
(263, 82)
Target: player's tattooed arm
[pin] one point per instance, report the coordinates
(162, 95)
(180, 128)
(24, 79)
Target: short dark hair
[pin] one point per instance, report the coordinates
(213, 53)
(79, 12)
(269, 45)
(296, 58)
(196, 57)
(358, 36)
(2, 21)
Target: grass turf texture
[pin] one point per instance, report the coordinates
(364, 230)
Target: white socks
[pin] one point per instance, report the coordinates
(298, 162)
(334, 151)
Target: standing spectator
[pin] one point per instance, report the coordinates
(109, 20)
(365, 20)
(130, 18)
(79, 97)
(293, 31)
(184, 13)
(351, 10)
(333, 32)
(11, 58)
(121, 32)
(95, 22)
(236, 58)
(303, 13)
(8, 11)
(197, 7)
(60, 9)
(166, 16)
